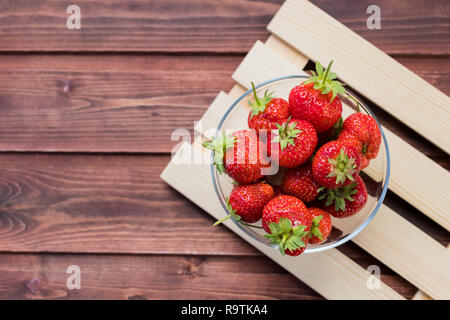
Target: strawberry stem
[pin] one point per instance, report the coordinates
(355, 101)
(327, 71)
(254, 94)
(286, 126)
(222, 220)
(259, 105)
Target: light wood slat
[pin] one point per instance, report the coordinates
(406, 249)
(211, 117)
(414, 177)
(331, 273)
(288, 52)
(367, 69)
(420, 295)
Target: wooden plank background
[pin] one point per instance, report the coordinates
(85, 131)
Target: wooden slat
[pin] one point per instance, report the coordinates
(31, 276)
(366, 68)
(107, 92)
(404, 24)
(111, 103)
(433, 195)
(410, 27)
(155, 26)
(101, 204)
(420, 295)
(331, 273)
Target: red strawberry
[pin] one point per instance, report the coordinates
(267, 112)
(288, 222)
(247, 201)
(316, 101)
(321, 225)
(365, 129)
(295, 143)
(239, 155)
(346, 201)
(350, 139)
(299, 182)
(336, 164)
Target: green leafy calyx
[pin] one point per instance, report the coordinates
(220, 146)
(259, 105)
(324, 81)
(315, 230)
(338, 196)
(232, 214)
(287, 133)
(286, 236)
(342, 167)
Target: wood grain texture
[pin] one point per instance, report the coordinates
(411, 27)
(37, 276)
(30, 276)
(130, 103)
(101, 204)
(432, 181)
(330, 273)
(407, 27)
(366, 68)
(111, 103)
(420, 295)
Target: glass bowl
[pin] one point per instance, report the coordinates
(376, 176)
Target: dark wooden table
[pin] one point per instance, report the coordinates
(85, 127)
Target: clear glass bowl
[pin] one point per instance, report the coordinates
(376, 176)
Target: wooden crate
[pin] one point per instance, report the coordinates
(300, 33)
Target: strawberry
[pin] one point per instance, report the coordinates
(350, 139)
(299, 182)
(247, 201)
(267, 112)
(321, 225)
(316, 101)
(345, 201)
(239, 155)
(294, 143)
(365, 130)
(336, 164)
(287, 222)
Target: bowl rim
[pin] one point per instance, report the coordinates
(383, 191)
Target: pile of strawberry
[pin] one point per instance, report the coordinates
(324, 155)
